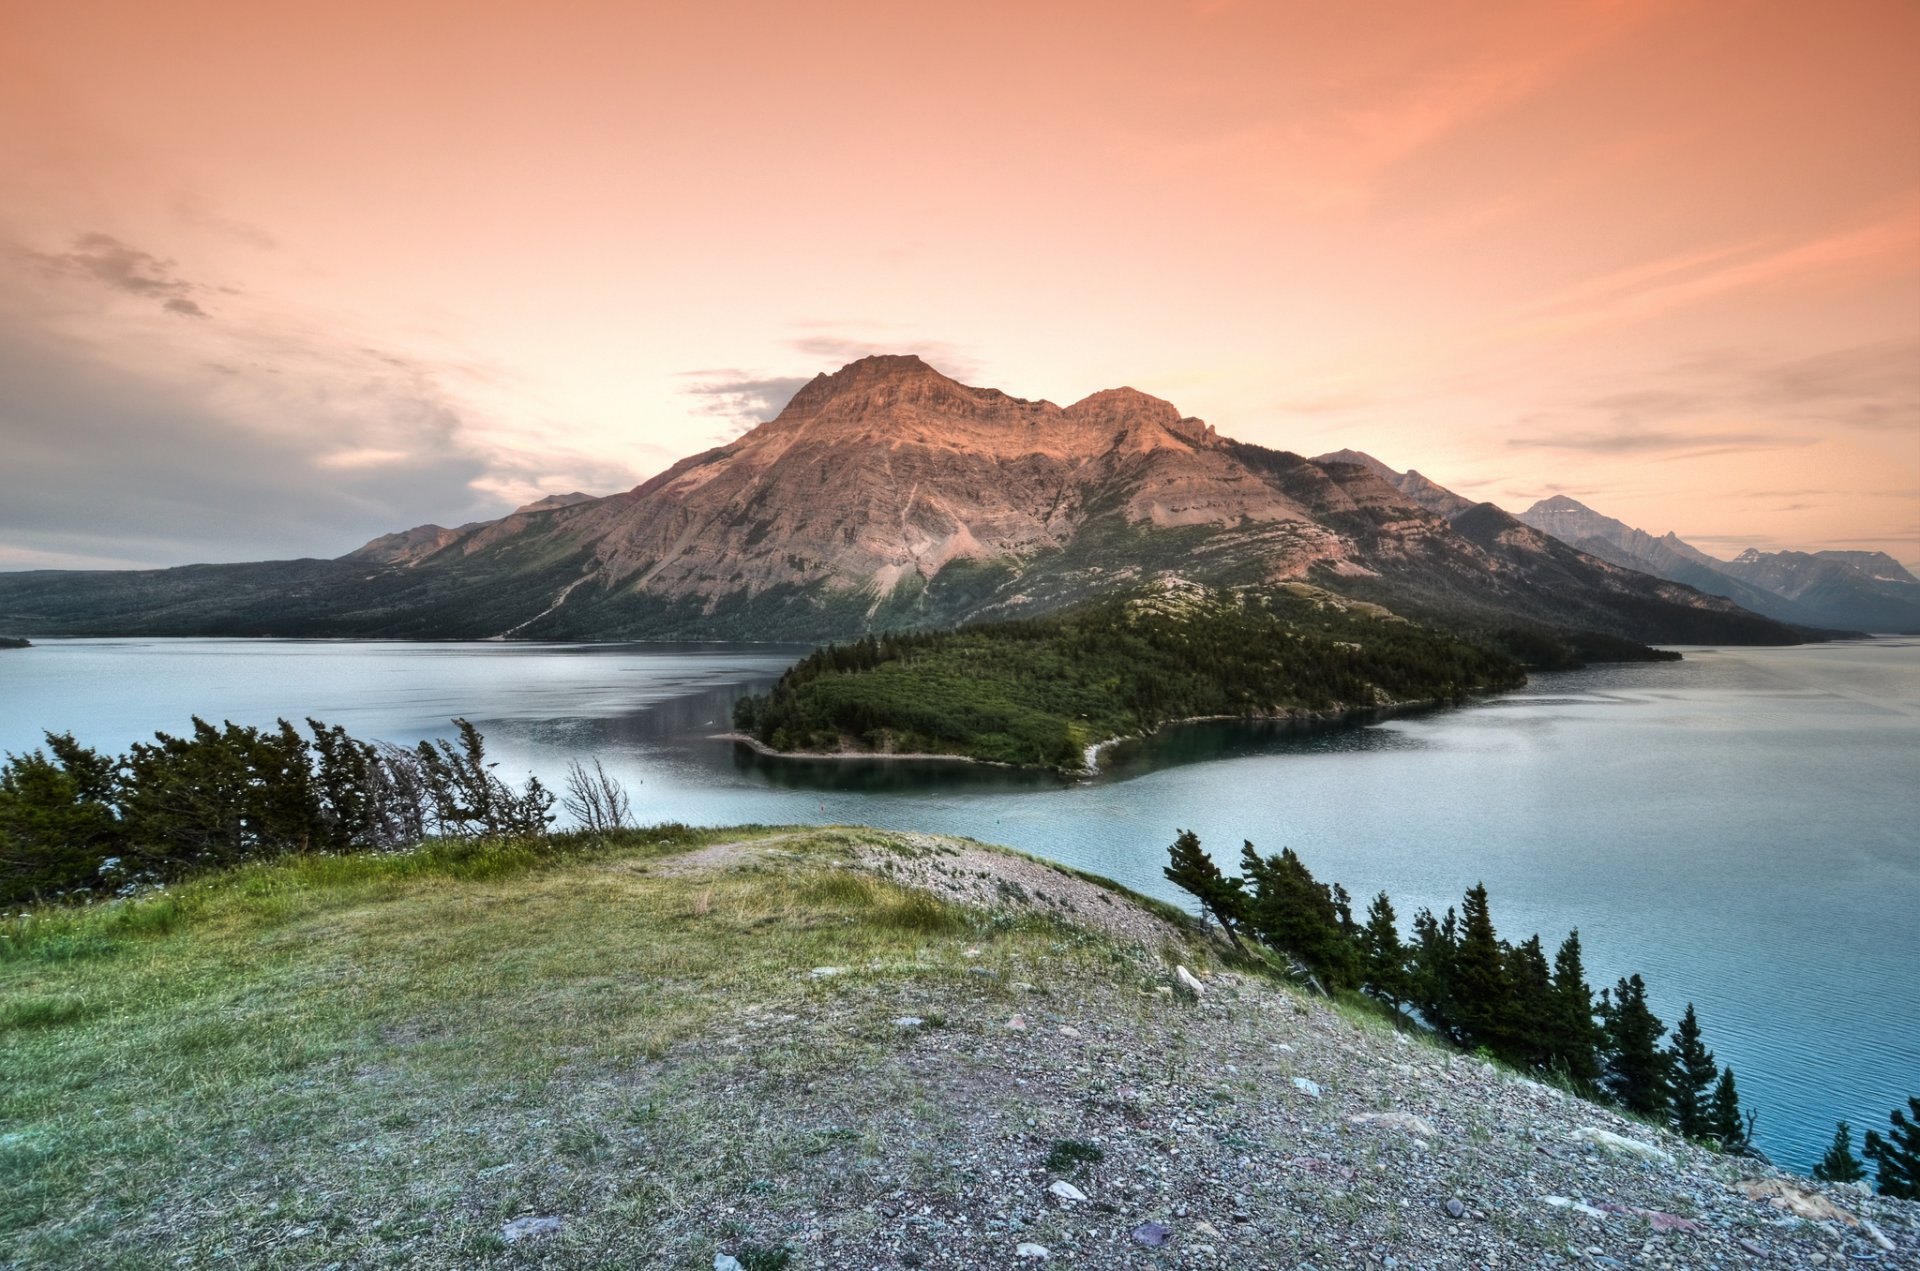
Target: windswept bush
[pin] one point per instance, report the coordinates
(75, 822)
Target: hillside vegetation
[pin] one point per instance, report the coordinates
(1039, 692)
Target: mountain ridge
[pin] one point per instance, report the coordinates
(887, 495)
(1827, 589)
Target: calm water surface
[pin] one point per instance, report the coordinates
(1743, 827)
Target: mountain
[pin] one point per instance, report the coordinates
(1434, 498)
(1868, 590)
(889, 495)
(1836, 590)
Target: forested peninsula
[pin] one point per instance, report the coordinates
(1044, 692)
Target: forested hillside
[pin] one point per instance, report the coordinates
(1039, 692)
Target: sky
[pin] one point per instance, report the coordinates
(277, 278)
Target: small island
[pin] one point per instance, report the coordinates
(1049, 692)
(14, 642)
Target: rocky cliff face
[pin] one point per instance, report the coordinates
(888, 494)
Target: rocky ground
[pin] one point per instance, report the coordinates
(1036, 1116)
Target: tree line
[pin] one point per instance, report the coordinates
(1477, 991)
(76, 822)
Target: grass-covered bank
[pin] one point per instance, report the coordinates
(795, 1047)
(354, 1056)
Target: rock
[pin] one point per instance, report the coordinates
(1752, 1248)
(1186, 980)
(1208, 1230)
(1454, 1208)
(1152, 1234)
(528, 1228)
(822, 972)
(909, 1021)
(1876, 1235)
(1066, 1191)
(1620, 1143)
(1307, 1086)
(1018, 1023)
(1027, 1249)
(726, 1262)
(1397, 1121)
(1801, 1202)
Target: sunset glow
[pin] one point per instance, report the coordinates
(277, 278)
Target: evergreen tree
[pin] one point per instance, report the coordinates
(1386, 973)
(1431, 978)
(1483, 998)
(1897, 1159)
(1191, 870)
(1840, 1165)
(1573, 1040)
(1693, 1072)
(1724, 1120)
(1636, 1070)
(1299, 916)
(1530, 1040)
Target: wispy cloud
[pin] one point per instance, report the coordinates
(261, 431)
(106, 260)
(741, 397)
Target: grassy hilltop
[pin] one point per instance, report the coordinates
(791, 1047)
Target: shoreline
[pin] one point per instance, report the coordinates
(1090, 755)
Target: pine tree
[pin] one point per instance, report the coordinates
(1840, 1165)
(1431, 970)
(1574, 1040)
(1636, 1070)
(1386, 957)
(1482, 995)
(1724, 1120)
(1299, 916)
(1193, 871)
(1897, 1159)
(1531, 1008)
(1693, 1071)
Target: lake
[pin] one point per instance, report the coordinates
(1741, 827)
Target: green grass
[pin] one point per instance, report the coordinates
(379, 1059)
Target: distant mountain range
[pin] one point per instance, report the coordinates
(1866, 591)
(888, 495)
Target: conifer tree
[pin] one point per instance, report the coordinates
(1840, 1165)
(1636, 1070)
(1431, 979)
(1897, 1159)
(1296, 914)
(1574, 1040)
(1692, 1071)
(1386, 957)
(1193, 871)
(1482, 995)
(1530, 1023)
(1724, 1118)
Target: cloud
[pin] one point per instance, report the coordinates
(742, 397)
(1665, 443)
(106, 260)
(134, 439)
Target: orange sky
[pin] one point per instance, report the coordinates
(275, 278)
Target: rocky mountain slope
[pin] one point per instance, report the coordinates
(887, 494)
(802, 1048)
(1844, 590)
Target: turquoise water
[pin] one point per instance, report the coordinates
(1739, 827)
